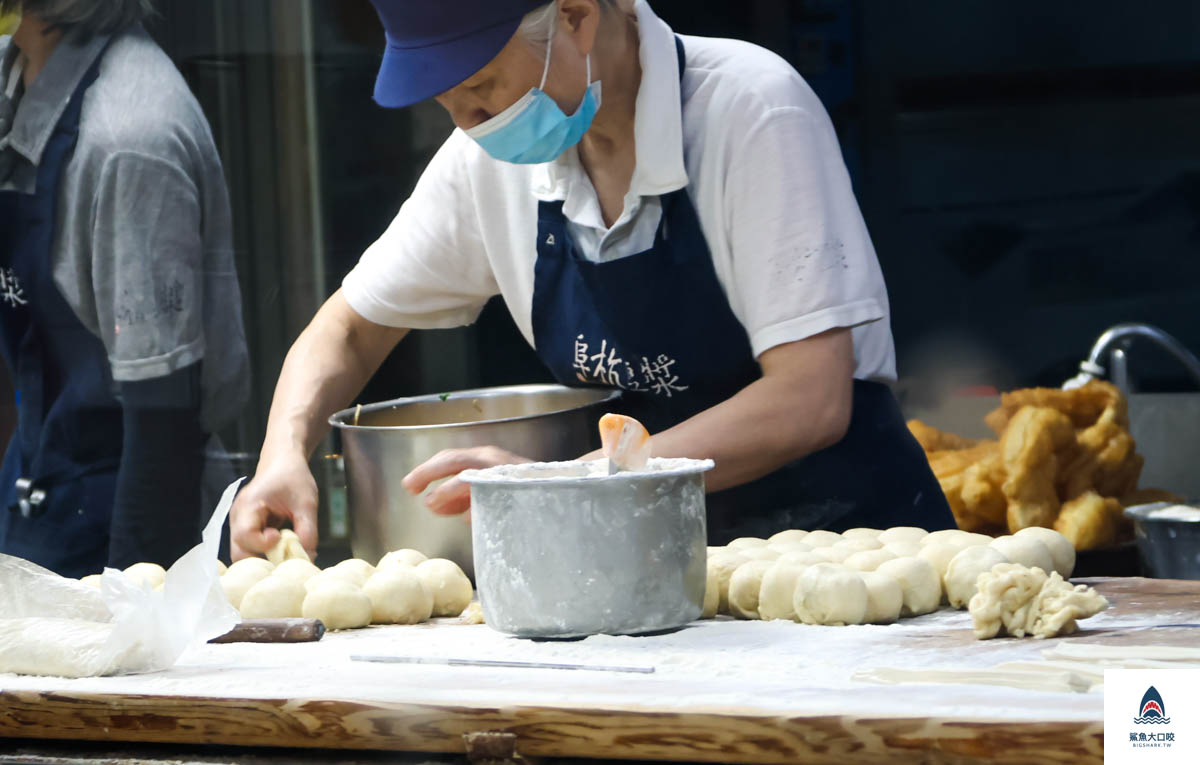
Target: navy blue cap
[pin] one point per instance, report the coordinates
(434, 45)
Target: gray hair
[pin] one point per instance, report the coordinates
(535, 27)
(90, 17)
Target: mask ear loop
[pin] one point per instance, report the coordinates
(550, 48)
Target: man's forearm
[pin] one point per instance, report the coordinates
(326, 367)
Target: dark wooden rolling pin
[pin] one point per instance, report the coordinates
(274, 631)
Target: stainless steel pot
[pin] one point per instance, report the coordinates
(382, 442)
(1169, 543)
(564, 550)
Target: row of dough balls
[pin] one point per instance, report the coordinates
(866, 576)
(404, 588)
(143, 574)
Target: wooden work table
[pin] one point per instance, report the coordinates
(722, 690)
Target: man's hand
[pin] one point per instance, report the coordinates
(454, 497)
(282, 491)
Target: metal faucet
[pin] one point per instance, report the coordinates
(1115, 341)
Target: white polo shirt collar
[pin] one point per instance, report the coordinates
(658, 133)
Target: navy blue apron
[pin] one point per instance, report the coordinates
(658, 324)
(58, 479)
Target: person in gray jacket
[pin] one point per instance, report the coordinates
(119, 303)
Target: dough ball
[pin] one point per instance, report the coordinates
(1061, 549)
(790, 535)
(833, 554)
(339, 604)
(221, 567)
(325, 577)
(744, 586)
(902, 534)
(1027, 551)
(92, 580)
(858, 545)
(822, 538)
(786, 547)
(868, 560)
(775, 594)
(451, 588)
(919, 582)
(965, 568)
(287, 548)
(258, 565)
(744, 543)
(146, 574)
(712, 593)
(273, 598)
(903, 549)
(830, 594)
(354, 570)
(297, 570)
(760, 553)
(939, 555)
(714, 550)
(861, 533)
(885, 598)
(974, 539)
(237, 581)
(724, 564)
(405, 557)
(398, 596)
(944, 535)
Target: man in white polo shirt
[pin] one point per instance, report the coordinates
(665, 214)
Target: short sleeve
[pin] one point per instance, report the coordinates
(429, 269)
(803, 262)
(147, 254)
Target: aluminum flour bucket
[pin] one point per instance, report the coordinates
(565, 550)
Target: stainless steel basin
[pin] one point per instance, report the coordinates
(382, 442)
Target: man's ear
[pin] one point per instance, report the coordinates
(582, 19)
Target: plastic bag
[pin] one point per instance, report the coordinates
(51, 625)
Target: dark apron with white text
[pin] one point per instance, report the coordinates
(658, 324)
(58, 479)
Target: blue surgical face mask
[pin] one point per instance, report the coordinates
(534, 129)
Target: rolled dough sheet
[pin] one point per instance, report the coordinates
(1049, 678)
(1123, 653)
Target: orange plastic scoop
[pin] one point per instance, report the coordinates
(625, 442)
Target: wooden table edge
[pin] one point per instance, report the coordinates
(731, 735)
